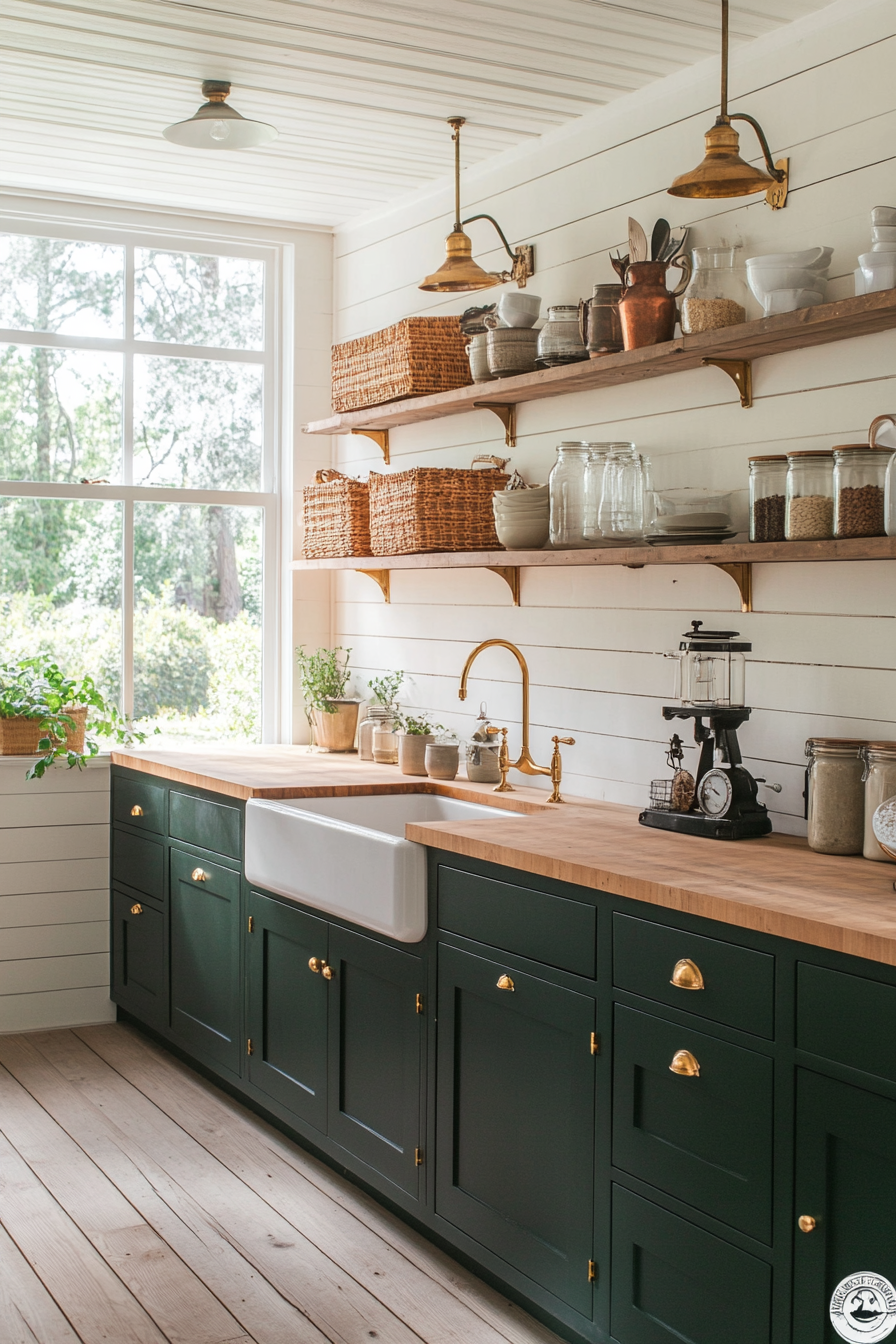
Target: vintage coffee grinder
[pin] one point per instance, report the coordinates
(722, 802)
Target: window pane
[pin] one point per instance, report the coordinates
(197, 620)
(60, 585)
(48, 284)
(197, 423)
(60, 414)
(195, 300)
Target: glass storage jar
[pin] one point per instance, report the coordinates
(890, 480)
(376, 714)
(809, 510)
(560, 340)
(860, 474)
(385, 741)
(768, 491)
(621, 514)
(717, 294)
(567, 495)
(880, 784)
(595, 469)
(835, 795)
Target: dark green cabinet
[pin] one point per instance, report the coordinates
(845, 1183)
(139, 964)
(515, 1116)
(205, 958)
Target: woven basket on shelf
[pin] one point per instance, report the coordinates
(414, 358)
(435, 509)
(336, 516)
(19, 736)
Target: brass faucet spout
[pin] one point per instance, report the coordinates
(525, 763)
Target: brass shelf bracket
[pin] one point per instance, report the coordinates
(511, 576)
(742, 574)
(740, 371)
(380, 438)
(776, 196)
(506, 414)
(381, 578)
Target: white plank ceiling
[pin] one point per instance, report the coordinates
(358, 89)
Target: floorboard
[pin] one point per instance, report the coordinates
(140, 1204)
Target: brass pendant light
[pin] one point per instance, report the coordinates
(723, 172)
(217, 125)
(459, 273)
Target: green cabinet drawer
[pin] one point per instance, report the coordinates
(673, 1283)
(205, 958)
(209, 825)
(847, 1018)
(705, 1139)
(139, 972)
(138, 862)
(738, 982)
(138, 803)
(532, 923)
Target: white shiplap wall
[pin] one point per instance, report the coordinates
(824, 636)
(54, 897)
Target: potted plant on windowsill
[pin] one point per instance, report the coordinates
(46, 714)
(332, 716)
(413, 739)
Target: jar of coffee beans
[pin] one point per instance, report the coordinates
(809, 512)
(860, 474)
(768, 487)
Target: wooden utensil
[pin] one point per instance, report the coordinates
(659, 239)
(637, 241)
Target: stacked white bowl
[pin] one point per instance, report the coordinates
(877, 268)
(785, 281)
(522, 517)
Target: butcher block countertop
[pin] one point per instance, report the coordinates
(774, 885)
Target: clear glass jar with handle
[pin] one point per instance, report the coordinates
(717, 294)
(880, 784)
(809, 511)
(567, 494)
(835, 795)
(768, 496)
(860, 474)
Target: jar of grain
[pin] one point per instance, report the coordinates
(860, 474)
(768, 487)
(835, 795)
(717, 294)
(809, 508)
(880, 784)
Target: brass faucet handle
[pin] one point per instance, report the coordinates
(504, 765)
(557, 766)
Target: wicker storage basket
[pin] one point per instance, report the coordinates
(19, 736)
(435, 509)
(336, 515)
(415, 357)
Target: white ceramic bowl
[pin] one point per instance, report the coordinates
(521, 499)
(519, 310)
(523, 536)
(883, 214)
(789, 300)
(764, 281)
(883, 238)
(810, 259)
(879, 270)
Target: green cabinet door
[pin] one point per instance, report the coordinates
(139, 973)
(846, 1182)
(515, 1116)
(376, 1044)
(205, 958)
(287, 1006)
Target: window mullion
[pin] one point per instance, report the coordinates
(127, 445)
(127, 610)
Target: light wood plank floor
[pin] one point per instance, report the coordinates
(139, 1204)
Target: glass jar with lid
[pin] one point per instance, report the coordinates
(710, 667)
(717, 294)
(567, 495)
(860, 475)
(890, 481)
(385, 740)
(768, 496)
(621, 514)
(809, 508)
(560, 340)
(376, 714)
(880, 784)
(835, 795)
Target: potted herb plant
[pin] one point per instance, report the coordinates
(46, 714)
(332, 716)
(413, 739)
(382, 713)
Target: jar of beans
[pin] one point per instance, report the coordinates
(810, 495)
(768, 487)
(860, 474)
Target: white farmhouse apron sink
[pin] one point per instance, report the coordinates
(348, 856)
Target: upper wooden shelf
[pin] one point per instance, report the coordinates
(750, 340)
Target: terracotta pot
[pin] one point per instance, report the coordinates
(412, 752)
(647, 308)
(336, 732)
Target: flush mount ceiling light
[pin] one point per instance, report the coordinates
(217, 126)
(459, 272)
(723, 172)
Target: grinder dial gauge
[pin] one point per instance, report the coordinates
(715, 792)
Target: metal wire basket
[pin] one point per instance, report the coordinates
(661, 795)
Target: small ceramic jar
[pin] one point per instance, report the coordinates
(442, 760)
(477, 353)
(511, 350)
(412, 752)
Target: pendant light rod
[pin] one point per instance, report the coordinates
(456, 123)
(724, 98)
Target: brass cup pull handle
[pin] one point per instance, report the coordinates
(137, 909)
(136, 810)
(327, 972)
(684, 1064)
(316, 965)
(505, 982)
(806, 1223)
(686, 974)
(199, 875)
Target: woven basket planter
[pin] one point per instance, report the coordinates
(336, 516)
(20, 736)
(435, 509)
(414, 358)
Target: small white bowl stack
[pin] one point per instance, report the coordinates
(877, 268)
(785, 281)
(522, 517)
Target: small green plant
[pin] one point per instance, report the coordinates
(324, 677)
(419, 727)
(35, 688)
(385, 688)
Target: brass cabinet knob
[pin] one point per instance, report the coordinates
(686, 974)
(316, 965)
(806, 1223)
(136, 810)
(327, 972)
(137, 909)
(198, 875)
(684, 1064)
(505, 982)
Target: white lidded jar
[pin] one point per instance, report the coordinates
(835, 795)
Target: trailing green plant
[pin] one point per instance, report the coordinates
(36, 688)
(419, 727)
(323, 676)
(385, 688)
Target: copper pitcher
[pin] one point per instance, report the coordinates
(647, 309)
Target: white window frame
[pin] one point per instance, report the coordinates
(275, 422)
